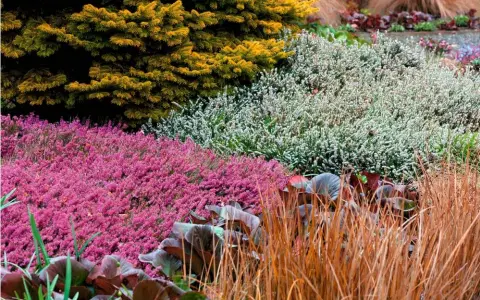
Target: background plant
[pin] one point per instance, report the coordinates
(346, 27)
(410, 20)
(130, 187)
(133, 59)
(445, 8)
(438, 47)
(330, 33)
(328, 11)
(377, 108)
(425, 26)
(397, 28)
(461, 20)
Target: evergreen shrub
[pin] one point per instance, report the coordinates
(136, 57)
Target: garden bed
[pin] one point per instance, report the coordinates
(129, 187)
(459, 37)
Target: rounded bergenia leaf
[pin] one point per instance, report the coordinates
(180, 229)
(13, 284)
(197, 219)
(235, 204)
(113, 272)
(325, 185)
(168, 263)
(298, 181)
(390, 191)
(305, 210)
(58, 266)
(214, 209)
(183, 251)
(113, 265)
(102, 297)
(206, 243)
(249, 222)
(150, 290)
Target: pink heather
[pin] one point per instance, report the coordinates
(130, 187)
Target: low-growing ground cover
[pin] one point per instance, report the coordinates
(129, 187)
(379, 108)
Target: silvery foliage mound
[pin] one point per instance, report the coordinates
(376, 107)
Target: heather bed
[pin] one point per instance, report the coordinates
(378, 107)
(129, 187)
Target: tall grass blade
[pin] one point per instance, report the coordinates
(27, 292)
(68, 280)
(38, 241)
(30, 262)
(78, 253)
(24, 271)
(87, 242)
(4, 198)
(5, 261)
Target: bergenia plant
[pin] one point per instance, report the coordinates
(66, 277)
(198, 246)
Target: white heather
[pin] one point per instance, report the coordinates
(370, 107)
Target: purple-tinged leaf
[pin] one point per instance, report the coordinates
(168, 263)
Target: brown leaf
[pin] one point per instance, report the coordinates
(150, 290)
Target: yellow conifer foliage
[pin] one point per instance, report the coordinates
(144, 56)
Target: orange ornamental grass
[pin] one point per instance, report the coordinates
(445, 8)
(435, 254)
(328, 11)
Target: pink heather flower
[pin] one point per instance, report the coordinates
(129, 187)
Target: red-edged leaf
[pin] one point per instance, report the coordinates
(84, 293)
(107, 286)
(113, 273)
(326, 186)
(298, 181)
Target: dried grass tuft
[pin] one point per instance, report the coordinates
(328, 11)
(353, 257)
(445, 8)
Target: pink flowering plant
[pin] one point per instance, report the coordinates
(468, 55)
(129, 187)
(438, 47)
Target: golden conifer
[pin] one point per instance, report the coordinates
(142, 56)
